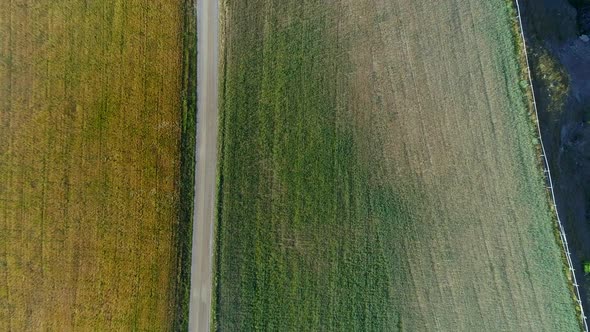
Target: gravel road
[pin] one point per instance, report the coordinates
(206, 166)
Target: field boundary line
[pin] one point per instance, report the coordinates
(547, 173)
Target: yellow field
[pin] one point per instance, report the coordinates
(90, 125)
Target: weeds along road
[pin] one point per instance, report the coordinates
(206, 166)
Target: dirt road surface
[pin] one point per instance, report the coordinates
(206, 166)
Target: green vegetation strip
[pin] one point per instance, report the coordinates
(187, 165)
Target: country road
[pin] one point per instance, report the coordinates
(206, 166)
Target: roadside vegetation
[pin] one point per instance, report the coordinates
(187, 165)
(378, 171)
(94, 116)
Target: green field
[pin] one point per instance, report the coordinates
(96, 140)
(379, 172)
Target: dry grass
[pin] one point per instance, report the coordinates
(553, 79)
(379, 172)
(90, 125)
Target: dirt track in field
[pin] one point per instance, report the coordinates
(206, 166)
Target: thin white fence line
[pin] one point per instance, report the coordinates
(548, 171)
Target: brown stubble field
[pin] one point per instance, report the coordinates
(379, 171)
(460, 126)
(90, 125)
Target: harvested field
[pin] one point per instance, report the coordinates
(379, 172)
(93, 103)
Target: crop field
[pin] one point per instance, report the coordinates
(379, 171)
(94, 100)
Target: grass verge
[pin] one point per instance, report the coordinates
(187, 165)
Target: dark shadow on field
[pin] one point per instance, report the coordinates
(560, 60)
